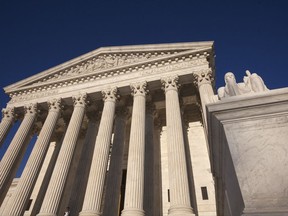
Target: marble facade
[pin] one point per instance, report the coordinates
(140, 130)
(116, 134)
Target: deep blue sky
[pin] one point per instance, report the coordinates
(251, 34)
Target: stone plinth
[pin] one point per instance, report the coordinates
(248, 145)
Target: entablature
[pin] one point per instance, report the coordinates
(58, 84)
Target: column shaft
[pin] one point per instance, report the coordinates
(203, 80)
(58, 179)
(134, 193)
(16, 150)
(16, 205)
(6, 123)
(95, 186)
(206, 93)
(178, 178)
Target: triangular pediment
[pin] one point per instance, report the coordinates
(105, 59)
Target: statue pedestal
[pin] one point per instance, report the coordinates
(248, 137)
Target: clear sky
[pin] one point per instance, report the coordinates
(248, 34)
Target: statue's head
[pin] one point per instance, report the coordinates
(229, 76)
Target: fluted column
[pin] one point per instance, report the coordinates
(134, 192)
(96, 180)
(13, 156)
(203, 80)
(113, 189)
(6, 123)
(178, 179)
(16, 205)
(58, 179)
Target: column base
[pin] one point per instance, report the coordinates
(90, 213)
(180, 211)
(132, 212)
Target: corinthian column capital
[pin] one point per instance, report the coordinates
(80, 100)
(8, 113)
(203, 77)
(110, 94)
(139, 88)
(31, 109)
(55, 104)
(170, 83)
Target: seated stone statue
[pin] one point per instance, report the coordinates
(232, 88)
(252, 83)
(255, 82)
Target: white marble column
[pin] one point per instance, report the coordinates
(6, 123)
(203, 80)
(134, 192)
(95, 186)
(13, 156)
(16, 205)
(58, 179)
(113, 188)
(178, 179)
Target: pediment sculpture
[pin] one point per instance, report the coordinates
(102, 62)
(252, 83)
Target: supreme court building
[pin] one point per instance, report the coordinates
(140, 130)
